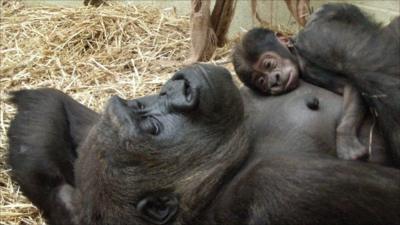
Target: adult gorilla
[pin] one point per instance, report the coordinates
(183, 157)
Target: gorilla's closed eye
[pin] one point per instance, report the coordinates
(150, 125)
(267, 64)
(261, 81)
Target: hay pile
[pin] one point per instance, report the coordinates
(89, 53)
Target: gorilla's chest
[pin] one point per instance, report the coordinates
(302, 120)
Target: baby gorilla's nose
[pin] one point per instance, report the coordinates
(275, 80)
(277, 77)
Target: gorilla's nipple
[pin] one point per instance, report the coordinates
(312, 102)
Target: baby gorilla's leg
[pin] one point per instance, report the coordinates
(348, 146)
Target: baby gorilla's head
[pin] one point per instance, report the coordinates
(264, 62)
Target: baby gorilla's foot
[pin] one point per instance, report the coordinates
(350, 148)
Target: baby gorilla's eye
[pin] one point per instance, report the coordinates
(269, 64)
(150, 125)
(261, 81)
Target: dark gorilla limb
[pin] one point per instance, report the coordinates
(43, 139)
(340, 38)
(307, 190)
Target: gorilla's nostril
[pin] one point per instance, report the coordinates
(188, 91)
(277, 77)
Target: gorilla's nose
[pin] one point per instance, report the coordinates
(182, 93)
(275, 80)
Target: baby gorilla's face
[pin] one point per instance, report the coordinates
(274, 75)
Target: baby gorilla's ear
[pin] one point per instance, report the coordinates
(283, 39)
(158, 209)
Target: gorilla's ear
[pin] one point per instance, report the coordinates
(158, 209)
(283, 39)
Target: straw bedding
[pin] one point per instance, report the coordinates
(89, 53)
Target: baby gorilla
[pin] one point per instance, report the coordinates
(276, 70)
(328, 53)
(183, 157)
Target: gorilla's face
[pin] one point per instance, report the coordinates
(146, 149)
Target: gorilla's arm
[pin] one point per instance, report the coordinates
(295, 189)
(43, 139)
(342, 39)
(320, 77)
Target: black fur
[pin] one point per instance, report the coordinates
(183, 157)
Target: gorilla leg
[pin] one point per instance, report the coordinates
(43, 138)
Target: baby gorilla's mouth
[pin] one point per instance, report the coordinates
(276, 84)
